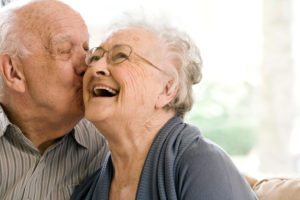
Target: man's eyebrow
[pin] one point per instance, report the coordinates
(60, 39)
(64, 38)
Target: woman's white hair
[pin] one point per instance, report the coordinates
(182, 52)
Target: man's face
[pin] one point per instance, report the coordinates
(54, 70)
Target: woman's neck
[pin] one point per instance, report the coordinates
(130, 139)
(128, 152)
(129, 143)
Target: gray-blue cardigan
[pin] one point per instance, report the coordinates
(181, 164)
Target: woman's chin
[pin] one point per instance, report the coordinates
(94, 116)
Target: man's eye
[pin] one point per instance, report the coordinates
(66, 51)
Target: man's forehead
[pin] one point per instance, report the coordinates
(63, 37)
(47, 16)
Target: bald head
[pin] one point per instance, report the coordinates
(37, 14)
(39, 19)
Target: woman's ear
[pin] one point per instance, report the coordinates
(167, 95)
(11, 75)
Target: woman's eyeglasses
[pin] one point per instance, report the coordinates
(116, 55)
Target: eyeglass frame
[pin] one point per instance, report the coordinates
(94, 49)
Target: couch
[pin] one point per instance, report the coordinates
(276, 188)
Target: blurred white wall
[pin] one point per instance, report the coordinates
(229, 34)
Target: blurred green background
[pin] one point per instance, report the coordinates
(223, 115)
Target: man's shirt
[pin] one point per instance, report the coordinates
(26, 174)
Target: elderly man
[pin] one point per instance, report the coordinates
(45, 150)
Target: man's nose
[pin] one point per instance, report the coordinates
(80, 65)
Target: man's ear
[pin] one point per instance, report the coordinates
(168, 93)
(11, 74)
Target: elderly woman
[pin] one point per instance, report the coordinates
(137, 89)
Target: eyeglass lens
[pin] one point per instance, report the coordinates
(116, 55)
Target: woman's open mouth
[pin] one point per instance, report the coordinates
(104, 91)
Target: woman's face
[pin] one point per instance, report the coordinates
(121, 88)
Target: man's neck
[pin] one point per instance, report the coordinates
(40, 128)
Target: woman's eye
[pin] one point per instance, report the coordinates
(119, 56)
(94, 58)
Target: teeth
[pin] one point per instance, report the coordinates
(112, 91)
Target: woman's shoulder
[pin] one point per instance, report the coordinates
(189, 140)
(96, 184)
(85, 189)
(195, 149)
(203, 168)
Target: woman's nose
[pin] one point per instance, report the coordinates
(100, 72)
(100, 68)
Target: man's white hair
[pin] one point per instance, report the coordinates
(11, 42)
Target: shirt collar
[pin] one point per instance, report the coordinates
(4, 121)
(79, 133)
